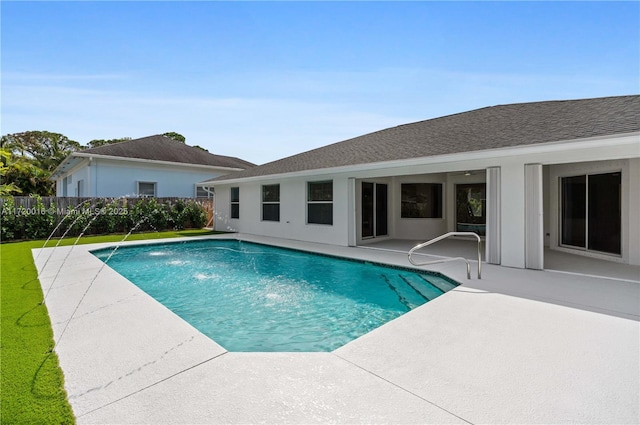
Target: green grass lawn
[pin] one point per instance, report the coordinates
(31, 381)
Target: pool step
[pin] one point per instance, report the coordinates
(422, 286)
(411, 289)
(408, 297)
(445, 285)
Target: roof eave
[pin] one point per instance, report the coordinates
(547, 147)
(155, 161)
(69, 163)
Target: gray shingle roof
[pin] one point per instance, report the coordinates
(161, 148)
(493, 127)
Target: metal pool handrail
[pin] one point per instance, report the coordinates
(443, 260)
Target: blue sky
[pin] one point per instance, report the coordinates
(265, 80)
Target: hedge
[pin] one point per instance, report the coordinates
(97, 216)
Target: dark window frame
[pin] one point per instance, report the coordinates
(320, 202)
(234, 202)
(590, 215)
(417, 200)
(270, 202)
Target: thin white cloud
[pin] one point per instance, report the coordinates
(294, 113)
(48, 78)
(255, 129)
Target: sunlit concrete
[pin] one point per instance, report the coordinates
(518, 346)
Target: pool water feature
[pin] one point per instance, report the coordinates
(253, 297)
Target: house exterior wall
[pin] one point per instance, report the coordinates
(552, 160)
(80, 173)
(419, 228)
(293, 211)
(108, 178)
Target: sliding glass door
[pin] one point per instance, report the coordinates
(591, 212)
(374, 210)
(471, 208)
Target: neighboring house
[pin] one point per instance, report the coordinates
(563, 174)
(150, 166)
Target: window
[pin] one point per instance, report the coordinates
(204, 192)
(471, 208)
(591, 212)
(80, 188)
(421, 200)
(320, 202)
(271, 202)
(374, 214)
(64, 186)
(235, 202)
(146, 189)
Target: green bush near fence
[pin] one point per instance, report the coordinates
(98, 216)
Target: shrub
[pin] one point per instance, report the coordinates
(194, 215)
(39, 221)
(98, 216)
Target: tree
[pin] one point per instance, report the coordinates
(175, 136)
(45, 149)
(28, 159)
(23, 177)
(6, 188)
(102, 142)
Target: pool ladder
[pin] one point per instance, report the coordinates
(444, 260)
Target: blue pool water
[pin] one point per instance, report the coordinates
(252, 297)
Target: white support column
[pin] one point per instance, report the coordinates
(512, 216)
(631, 211)
(534, 225)
(492, 240)
(351, 205)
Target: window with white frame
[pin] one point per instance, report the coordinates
(235, 202)
(147, 189)
(203, 192)
(320, 202)
(271, 202)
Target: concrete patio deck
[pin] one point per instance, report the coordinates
(518, 346)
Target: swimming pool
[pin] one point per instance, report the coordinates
(253, 297)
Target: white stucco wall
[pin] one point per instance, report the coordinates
(555, 158)
(293, 211)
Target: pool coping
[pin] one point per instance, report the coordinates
(128, 359)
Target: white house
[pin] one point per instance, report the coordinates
(561, 174)
(150, 166)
